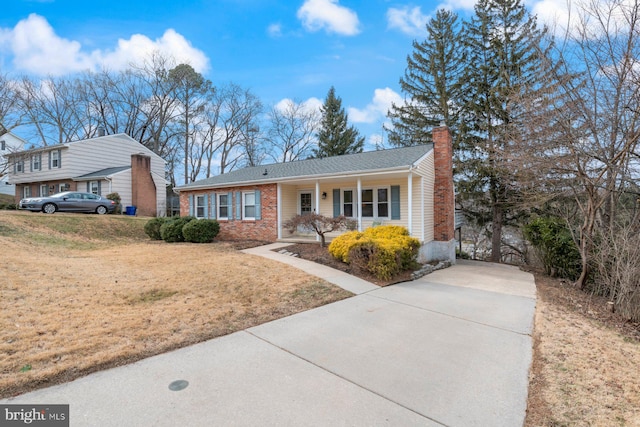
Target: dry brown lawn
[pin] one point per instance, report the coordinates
(586, 368)
(71, 304)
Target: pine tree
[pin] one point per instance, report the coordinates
(431, 82)
(334, 137)
(504, 72)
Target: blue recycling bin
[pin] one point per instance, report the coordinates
(130, 210)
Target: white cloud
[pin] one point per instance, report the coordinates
(274, 30)
(410, 21)
(37, 49)
(377, 108)
(553, 13)
(330, 16)
(311, 104)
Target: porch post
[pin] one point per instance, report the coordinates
(279, 209)
(359, 207)
(410, 203)
(317, 210)
(422, 229)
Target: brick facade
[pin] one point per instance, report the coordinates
(143, 189)
(264, 229)
(443, 195)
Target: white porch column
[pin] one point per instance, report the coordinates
(358, 204)
(317, 210)
(423, 232)
(279, 209)
(410, 203)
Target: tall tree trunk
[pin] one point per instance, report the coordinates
(496, 233)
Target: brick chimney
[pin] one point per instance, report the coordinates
(443, 193)
(143, 189)
(443, 245)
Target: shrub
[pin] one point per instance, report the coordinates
(152, 227)
(383, 251)
(557, 250)
(171, 231)
(340, 246)
(201, 231)
(116, 198)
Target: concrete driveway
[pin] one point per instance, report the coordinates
(453, 348)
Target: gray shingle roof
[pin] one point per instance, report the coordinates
(381, 160)
(102, 173)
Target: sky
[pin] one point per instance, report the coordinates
(286, 49)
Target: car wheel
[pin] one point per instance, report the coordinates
(49, 208)
(101, 210)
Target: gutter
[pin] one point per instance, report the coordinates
(296, 178)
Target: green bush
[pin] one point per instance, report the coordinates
(116, 198)
(152, 227)
(383, 251)
(557, 250)
(171, 231)
(201, 231)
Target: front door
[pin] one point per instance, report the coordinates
(306, 203)
(305, 207)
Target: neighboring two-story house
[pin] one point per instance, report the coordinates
(102, 165)
(9, 143)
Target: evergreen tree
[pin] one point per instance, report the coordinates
(431, 82)
(334, 137)
(504, 73)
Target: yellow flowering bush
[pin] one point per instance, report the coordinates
(384, 251)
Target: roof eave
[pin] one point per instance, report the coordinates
(396, 169)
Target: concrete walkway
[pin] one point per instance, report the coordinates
(453, 348)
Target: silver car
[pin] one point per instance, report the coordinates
(69, 201)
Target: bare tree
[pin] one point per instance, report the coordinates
(588, 135)
(51, 107)
(292, 132)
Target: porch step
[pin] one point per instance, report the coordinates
(286, 252)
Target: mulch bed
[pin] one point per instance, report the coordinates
(316, 253)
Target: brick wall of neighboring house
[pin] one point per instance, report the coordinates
(143, 189)
(265, 229)
(443, 196)
(35, 188)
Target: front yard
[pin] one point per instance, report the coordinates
(72, 303)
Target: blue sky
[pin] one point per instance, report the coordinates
(287, 49)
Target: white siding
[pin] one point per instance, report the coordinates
(82, 157)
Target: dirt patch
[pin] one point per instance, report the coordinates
(585, 364)
(69, 310)
(316, 253)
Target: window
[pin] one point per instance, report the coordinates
(375, 203)
(94, 187)
(367, 203)
(55, 159)
(347, 203)
(44, 190)
(63, 187)
(35, 162)
(383, 203)
(200, 206)
(249, 205)
(19, 165)
(26, 192)
(3, 146)
(223, 206)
